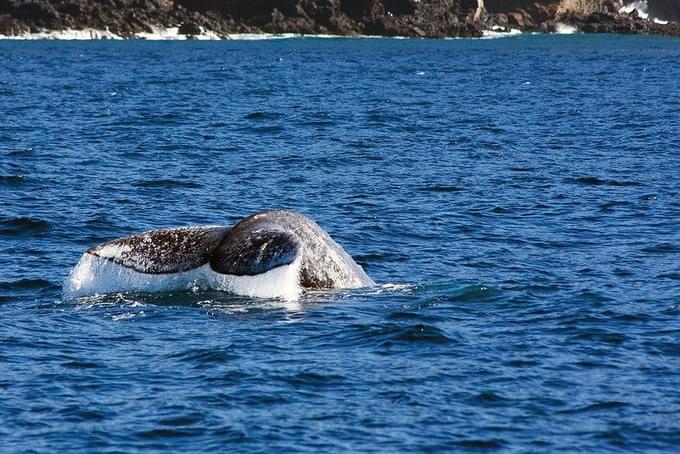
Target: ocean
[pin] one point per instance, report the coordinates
(516, 201)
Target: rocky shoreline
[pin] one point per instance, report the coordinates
(410, 18)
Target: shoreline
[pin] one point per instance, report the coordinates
(240, 19)
(171, 34)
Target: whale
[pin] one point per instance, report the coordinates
(270, 254)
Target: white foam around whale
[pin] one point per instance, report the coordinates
(97, 275)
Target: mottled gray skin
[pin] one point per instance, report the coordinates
(255, 245)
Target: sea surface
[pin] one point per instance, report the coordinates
(516, 200)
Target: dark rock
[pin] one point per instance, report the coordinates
(362, 9)
(520, 20)
(6, 6)
(189, 28)
(619, 23)
(417, 18)
(10, 26)
(37, 13)
(667, 10)
(72, 9)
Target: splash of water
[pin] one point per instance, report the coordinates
(97, 275)
(639, 5)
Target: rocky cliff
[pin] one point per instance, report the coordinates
(590, 16)
(417, 18)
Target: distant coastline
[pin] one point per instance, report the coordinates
(171, 34)
(239, 19)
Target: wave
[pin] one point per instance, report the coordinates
(642, 8)
(488, 398)
(500, 32)
(169, 34)
(662, 248)
(167, 184)
(440, 188)
(172, 34)
(266, 36)
(310, 378)
(564, 29)
(420, 333)
(204, 357)
(260, 115)
(597, 407)
(387, 335)
(23, 227)
(274, 129)
(481, 444)
(157, 34)
(639, 5)
(596, 181)
(27, 284)
(12, 180)
(477, 292)
(67, 35)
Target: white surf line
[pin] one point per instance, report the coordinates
(172, 34)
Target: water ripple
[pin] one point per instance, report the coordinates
(167, 184)
(21, 227)
(521, 223)
(12, 181)
(596, 181)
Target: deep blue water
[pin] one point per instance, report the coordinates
(517, 201)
